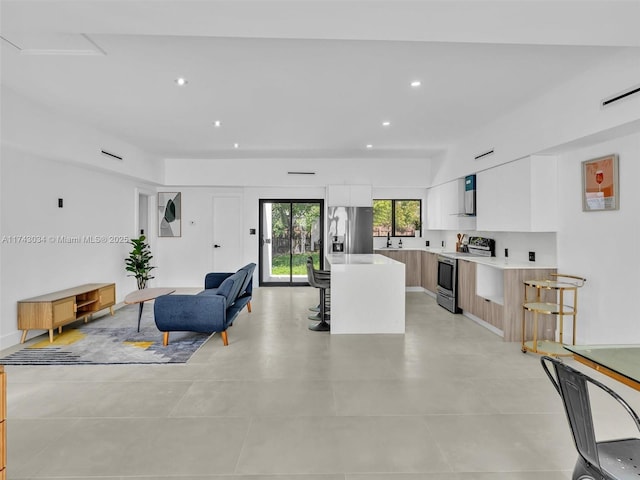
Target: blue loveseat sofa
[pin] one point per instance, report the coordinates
(212, 310)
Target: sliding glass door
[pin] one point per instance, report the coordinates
(290, 232)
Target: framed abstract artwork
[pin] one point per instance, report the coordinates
(600, 186)
(169, 214)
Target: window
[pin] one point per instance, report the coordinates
(397, 218)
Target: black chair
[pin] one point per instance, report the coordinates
(323, 283)
(606, 460)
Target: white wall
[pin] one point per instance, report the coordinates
(260, 172)
(34, 129)
(601, 246)
(184, 261)
(94, 204)
(559, 116)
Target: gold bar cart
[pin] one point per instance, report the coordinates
(561, 284)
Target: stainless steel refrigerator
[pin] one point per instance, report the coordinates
(350, 229)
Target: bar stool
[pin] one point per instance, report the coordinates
(323, 283)
(327, 300)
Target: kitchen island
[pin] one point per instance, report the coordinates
(367, 294)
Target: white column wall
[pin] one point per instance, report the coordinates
(601, 246)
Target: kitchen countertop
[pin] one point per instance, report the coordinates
(421, 249)
(359, 259)
(489, 261)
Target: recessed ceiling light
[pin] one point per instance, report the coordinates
(181, 82)
(369, 145)
(217, 123)
(236, 145)
(416, 83)
(386, 123)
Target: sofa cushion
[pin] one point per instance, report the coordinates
(215, 279)
(248, 269)
(230, 287)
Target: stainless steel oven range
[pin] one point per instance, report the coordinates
(448, 283)
(448, 270)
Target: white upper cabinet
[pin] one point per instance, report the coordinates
(349, 196)
(444, 206)
(519, 196)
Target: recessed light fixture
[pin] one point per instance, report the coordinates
(369, 145)
(386, 123)
(416, 83)
(181, 82)
(236, 145)
(217, 123)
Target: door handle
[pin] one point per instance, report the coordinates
(215, 245)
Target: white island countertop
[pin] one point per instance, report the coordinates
(359, 259)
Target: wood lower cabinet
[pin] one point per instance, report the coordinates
(3, 423)
(429, 271)
(467, 298)
(505, 316)
(412, 261)
(421, 267)
(514, 290)
(492, 313)
(54, 310)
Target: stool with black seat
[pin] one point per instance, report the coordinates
(327, 301)
(323, 283)
(617, 459)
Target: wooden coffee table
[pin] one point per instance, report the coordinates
(141, 296)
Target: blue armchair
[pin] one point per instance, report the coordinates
(212, 310)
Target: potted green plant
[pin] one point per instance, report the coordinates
(138, 262)
(416, 228)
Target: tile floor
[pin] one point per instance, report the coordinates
(447, 401)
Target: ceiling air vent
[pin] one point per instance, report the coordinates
(482, 155)
(109, 154)
(301, 173)
(607, 102)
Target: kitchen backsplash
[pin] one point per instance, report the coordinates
(518, 243)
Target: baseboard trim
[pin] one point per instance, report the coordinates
(484, 324)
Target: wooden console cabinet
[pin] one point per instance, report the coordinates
(57, 309)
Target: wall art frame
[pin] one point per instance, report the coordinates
(600, 184)
(169, 214)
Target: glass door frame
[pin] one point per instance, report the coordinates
(261, 234)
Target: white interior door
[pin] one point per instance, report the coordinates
(227, 234)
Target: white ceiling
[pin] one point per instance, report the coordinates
(300, 78)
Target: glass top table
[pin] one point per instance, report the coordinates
(621, 362)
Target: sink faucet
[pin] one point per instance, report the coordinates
(388, 240)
